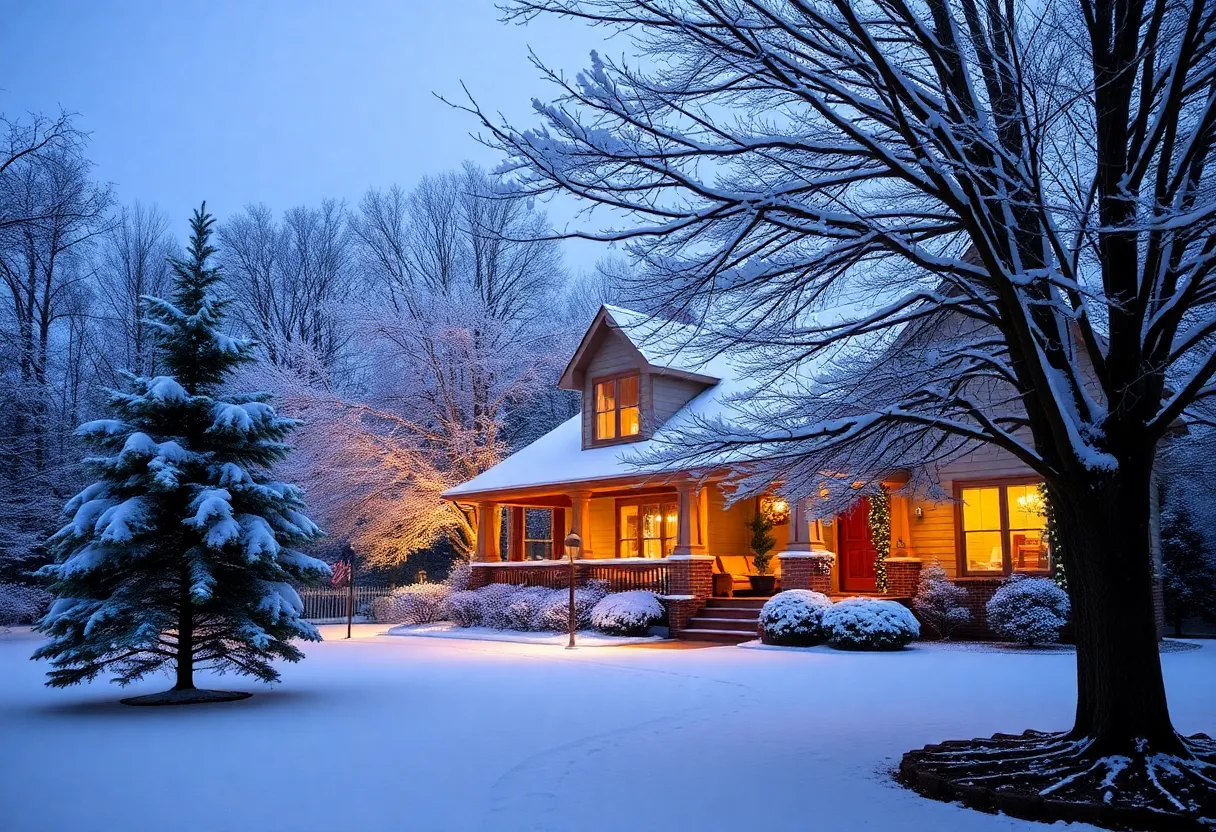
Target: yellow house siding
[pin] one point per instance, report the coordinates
(726, 531)
(603, 527)
(933, 533)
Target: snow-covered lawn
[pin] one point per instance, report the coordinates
(385, 733)
(446, 629)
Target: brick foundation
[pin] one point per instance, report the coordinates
(903, 575)
(805, 570)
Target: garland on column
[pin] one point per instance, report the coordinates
(1052, 533)
(880, 535)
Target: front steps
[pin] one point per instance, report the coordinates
(726, 621)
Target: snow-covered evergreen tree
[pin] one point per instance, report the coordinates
(181, 554)
(1189, 571)
(939, 603)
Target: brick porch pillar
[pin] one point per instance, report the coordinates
(805, 561)
(903, 576)
(690, 580)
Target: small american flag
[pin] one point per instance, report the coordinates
(341, 574)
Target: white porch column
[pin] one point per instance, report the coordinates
(802, 536)
(489, 530)
(689, 539)
(580, 518)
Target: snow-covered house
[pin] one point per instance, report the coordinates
(675, 532)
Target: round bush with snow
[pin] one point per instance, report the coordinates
(869, 624)
(793, 618)
(413, 604)
(1029, 611)
(627, 613)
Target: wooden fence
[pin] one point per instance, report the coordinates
(329, 603)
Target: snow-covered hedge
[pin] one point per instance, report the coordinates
(527, 607)
(414, 604)
(458, 575)
(20, 604)
(556, 614)
(504, 606)
(794, 617)
(869, 624)
(627, 613)
(463, 608)
(1028, 610)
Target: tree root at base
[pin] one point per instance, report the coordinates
(1051, 777)
(186, 697)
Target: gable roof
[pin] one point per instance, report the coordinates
(558, 457)
(662, 346)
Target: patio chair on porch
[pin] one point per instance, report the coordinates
(739, 567)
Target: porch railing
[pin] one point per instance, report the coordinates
(619, 575)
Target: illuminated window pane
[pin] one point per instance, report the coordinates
(653, 548)
(605, 396)
(628, 390)
(984, 552)
(981, 509)
(629, 532)
(671, 517)
(1026, 509)
(1028, 550)
(630, 422)
(605, 425)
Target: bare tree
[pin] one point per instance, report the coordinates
(50, 213)
(134, 263)
(290, 279)
(807, 176)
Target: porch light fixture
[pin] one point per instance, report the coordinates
(777, 509)
(574, 546)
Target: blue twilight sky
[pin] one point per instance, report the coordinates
(277, 101)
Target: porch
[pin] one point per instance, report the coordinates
(679, 540)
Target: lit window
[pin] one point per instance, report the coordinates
(616, 408)
(1004, 529)
(646, 530)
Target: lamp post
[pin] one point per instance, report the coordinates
(574, 545)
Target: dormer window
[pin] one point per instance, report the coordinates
(617, 415)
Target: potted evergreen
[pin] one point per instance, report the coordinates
(764, 582)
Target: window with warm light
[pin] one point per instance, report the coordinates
(646, 529)
(617, 415)
(1003, 529)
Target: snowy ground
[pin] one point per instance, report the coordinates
(422, 734)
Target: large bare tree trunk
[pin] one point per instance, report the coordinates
(1104, 531)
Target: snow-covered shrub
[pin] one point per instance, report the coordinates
(458, 575)
(598, 587)
(1028, 610)
(626, 613)
(463, 608)
(793, 617)
(940, 604)
(20, 604)
(495, 601)
(869, 624)
(527, 607)
(413, 604)
(556, 614)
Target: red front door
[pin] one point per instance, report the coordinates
(855, 549)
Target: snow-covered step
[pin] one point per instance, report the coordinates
(749, 613)
(720, 636)
(706, 623)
